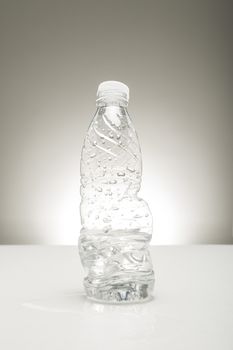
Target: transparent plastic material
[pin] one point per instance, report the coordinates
(116, 223)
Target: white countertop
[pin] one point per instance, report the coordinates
(43, 306)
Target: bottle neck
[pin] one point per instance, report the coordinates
(111, 100)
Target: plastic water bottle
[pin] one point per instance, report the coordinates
(116, 223)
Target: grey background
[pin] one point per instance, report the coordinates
(175, 56)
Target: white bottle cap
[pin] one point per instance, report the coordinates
(112, 88)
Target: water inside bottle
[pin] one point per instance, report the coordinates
(116, 223)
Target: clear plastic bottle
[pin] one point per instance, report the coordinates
(116, 223)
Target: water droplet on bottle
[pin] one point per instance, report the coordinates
(112, 182)
(93, 155)
(110, 134)
(121, 173)
(109, 158)
(99, 189)
(103, 141)
(114, 250)
(118, 136)
(115, 207)
(120, 142)
(146, 215)
(132, 170)
(94, 143)
(137, 216)
(107, 219)
(97, 217)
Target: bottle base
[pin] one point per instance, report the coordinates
(127, 292)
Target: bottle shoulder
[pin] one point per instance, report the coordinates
(111, 152)
(111, 137)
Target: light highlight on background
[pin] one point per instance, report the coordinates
(176, 57)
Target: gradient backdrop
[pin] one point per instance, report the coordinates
(175, 56)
